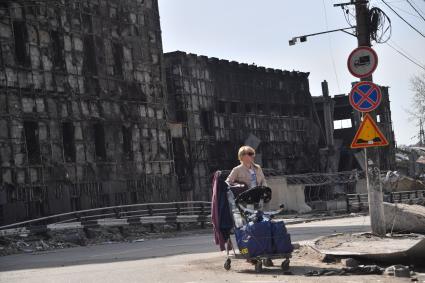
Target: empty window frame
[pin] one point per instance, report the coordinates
(118, 54)
(68, 141)
(58, 47)
(99, 141)
(21, 41)
(32, 142)
(127, 138)
(206, 118)
(221, 107)
(261, 108)
(342, 124)
(90, 65)
(234, 107)
(248, 108)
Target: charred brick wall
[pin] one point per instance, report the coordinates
(82, 107)
(222, 105)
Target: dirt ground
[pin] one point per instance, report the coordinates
(303, 261)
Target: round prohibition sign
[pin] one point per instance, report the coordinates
(365, 96)
(362, 62)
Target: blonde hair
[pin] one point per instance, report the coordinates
(244, 150)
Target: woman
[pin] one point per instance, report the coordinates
(247, 173)
(250, 174)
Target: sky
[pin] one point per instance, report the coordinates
(254, 31)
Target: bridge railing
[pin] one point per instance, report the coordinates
(133, 214)
(359, 202)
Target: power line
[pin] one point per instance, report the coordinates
(414, 8)
(330, 47)
(406, 56)
(395, 12)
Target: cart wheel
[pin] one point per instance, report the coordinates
(227, 264)
(285, 265)
(258, 266)
(268, 262)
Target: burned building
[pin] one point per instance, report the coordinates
(216, 106)
(82, 107)
(340, 121)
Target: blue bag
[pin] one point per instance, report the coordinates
(281, 239)
(255, 239)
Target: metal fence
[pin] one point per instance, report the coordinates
(135, 214)
(359, 202)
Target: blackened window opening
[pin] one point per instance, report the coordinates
(68, 141)
(234, 107)
(32, 142)
(221, 107)
(89, 55)
(118, 54)
(21, 39)
(248, 108)
(126, 142)
(58, 47)
(207, 121)
(99, 141)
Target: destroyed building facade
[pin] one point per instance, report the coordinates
(341, 121)
(82, 107)
(216, 106)
(93, 114)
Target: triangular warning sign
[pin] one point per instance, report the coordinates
(368, 135)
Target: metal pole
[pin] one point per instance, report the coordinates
(374, 185)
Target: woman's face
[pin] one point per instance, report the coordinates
(248, 157)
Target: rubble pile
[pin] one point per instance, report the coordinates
(51, 240)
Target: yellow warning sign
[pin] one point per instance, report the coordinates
(368, 134)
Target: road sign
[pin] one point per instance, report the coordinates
(365, 96)
(368, 135)
(362, 62)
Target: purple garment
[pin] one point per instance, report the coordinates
(215, 216)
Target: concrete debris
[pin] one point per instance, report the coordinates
(349, 262)
(398, 271)
(359, 270)
(404, 218)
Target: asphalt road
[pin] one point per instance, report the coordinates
(191, 258)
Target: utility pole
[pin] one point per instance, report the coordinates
(421, 133)
(373, 173)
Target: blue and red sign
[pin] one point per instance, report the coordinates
(365, 96)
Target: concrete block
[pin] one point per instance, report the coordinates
(291, 196)
(405, 218)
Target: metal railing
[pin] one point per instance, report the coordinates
(133, 214)
(359, 202)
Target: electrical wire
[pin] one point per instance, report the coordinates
(407, 57)
(380, 25)
(414, 8)
(403, 19)
(330, 47)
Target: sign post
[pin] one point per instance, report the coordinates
(366, 97)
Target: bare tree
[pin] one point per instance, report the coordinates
(417, 112)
